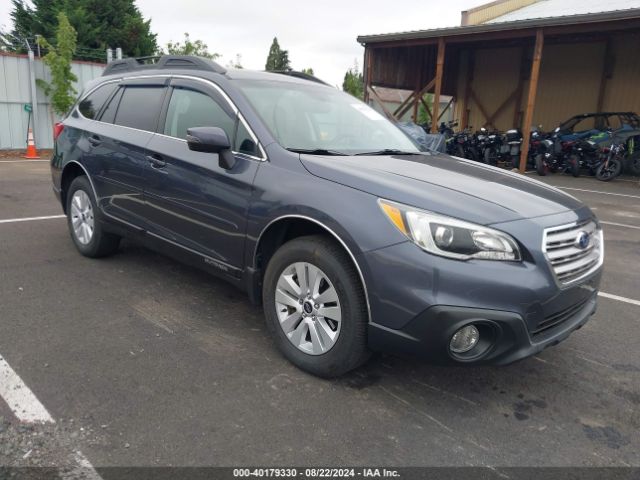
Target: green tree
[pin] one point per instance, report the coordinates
(308, 71)
(354, 82)
(278, 59)
(423, 116)
(189, 47)
(58, 59)
(99, 24)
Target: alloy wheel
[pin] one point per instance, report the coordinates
(308, 308)
(82, 218)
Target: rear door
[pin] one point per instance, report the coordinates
(119, 144)
(190, 199)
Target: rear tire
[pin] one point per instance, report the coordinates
(303, 340)
(541, 168)
(85, 222)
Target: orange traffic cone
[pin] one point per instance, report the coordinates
(32, 153)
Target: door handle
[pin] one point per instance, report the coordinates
(95, 140)
(156, 161)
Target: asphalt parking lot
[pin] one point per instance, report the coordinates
(140, 361)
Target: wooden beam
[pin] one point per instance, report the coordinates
(377, 98)
(404, 103)
(368, 52)
(502, 106)
(531, 99)
(607, 73)
(444, 110)
(438, 89)
(425, 89)
(416, 101)
(481, 107)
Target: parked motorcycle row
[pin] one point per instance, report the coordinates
(602, 152)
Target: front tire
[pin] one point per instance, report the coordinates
(315, 307)
(83, 218)
(607, 174)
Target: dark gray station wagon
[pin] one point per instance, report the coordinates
(326, 213)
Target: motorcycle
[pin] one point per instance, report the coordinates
(611, 167)
(464, 145)
(556, 154)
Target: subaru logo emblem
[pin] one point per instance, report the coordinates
(582, 240)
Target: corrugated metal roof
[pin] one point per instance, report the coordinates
(561, 8)
(615, 15)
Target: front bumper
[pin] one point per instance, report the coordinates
(504, 336)
(418, 300)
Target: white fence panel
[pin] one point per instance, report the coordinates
(15, 93)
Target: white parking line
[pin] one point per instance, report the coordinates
(31, 219)
(22, 402)
(619, 298)
(27, 408)
(601, 193)
(23, 161)
(620, 225)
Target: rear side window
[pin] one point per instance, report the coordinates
(91, 105)
(189, 108)
(140, 107)
(109, 113)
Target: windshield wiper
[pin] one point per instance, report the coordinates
(389, 151)
(316, 151)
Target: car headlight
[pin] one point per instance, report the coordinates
(450, 237)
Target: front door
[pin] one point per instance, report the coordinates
(189, 199)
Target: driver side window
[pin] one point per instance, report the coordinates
(189, 108)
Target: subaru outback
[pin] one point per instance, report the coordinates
(324, 212)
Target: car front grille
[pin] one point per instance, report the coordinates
(569, 260)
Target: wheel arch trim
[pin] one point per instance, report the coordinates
(334, 235)
(86, 172)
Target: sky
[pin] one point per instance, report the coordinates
(318, 34)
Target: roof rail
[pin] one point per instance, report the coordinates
(304, 76)
(186, 62)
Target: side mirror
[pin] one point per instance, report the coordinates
(211, 140)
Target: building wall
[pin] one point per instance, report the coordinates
(492, 10)
(14, 93)
(569, 84)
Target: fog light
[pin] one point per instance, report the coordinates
(464, 339)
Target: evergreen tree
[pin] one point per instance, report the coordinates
(99, 24)
(278, 59)
(354, 82)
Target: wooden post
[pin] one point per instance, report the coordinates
(531, 99)
(367, 73)
(438, 90)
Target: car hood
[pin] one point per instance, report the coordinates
(444, 184)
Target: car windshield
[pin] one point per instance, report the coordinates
(319, 119)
